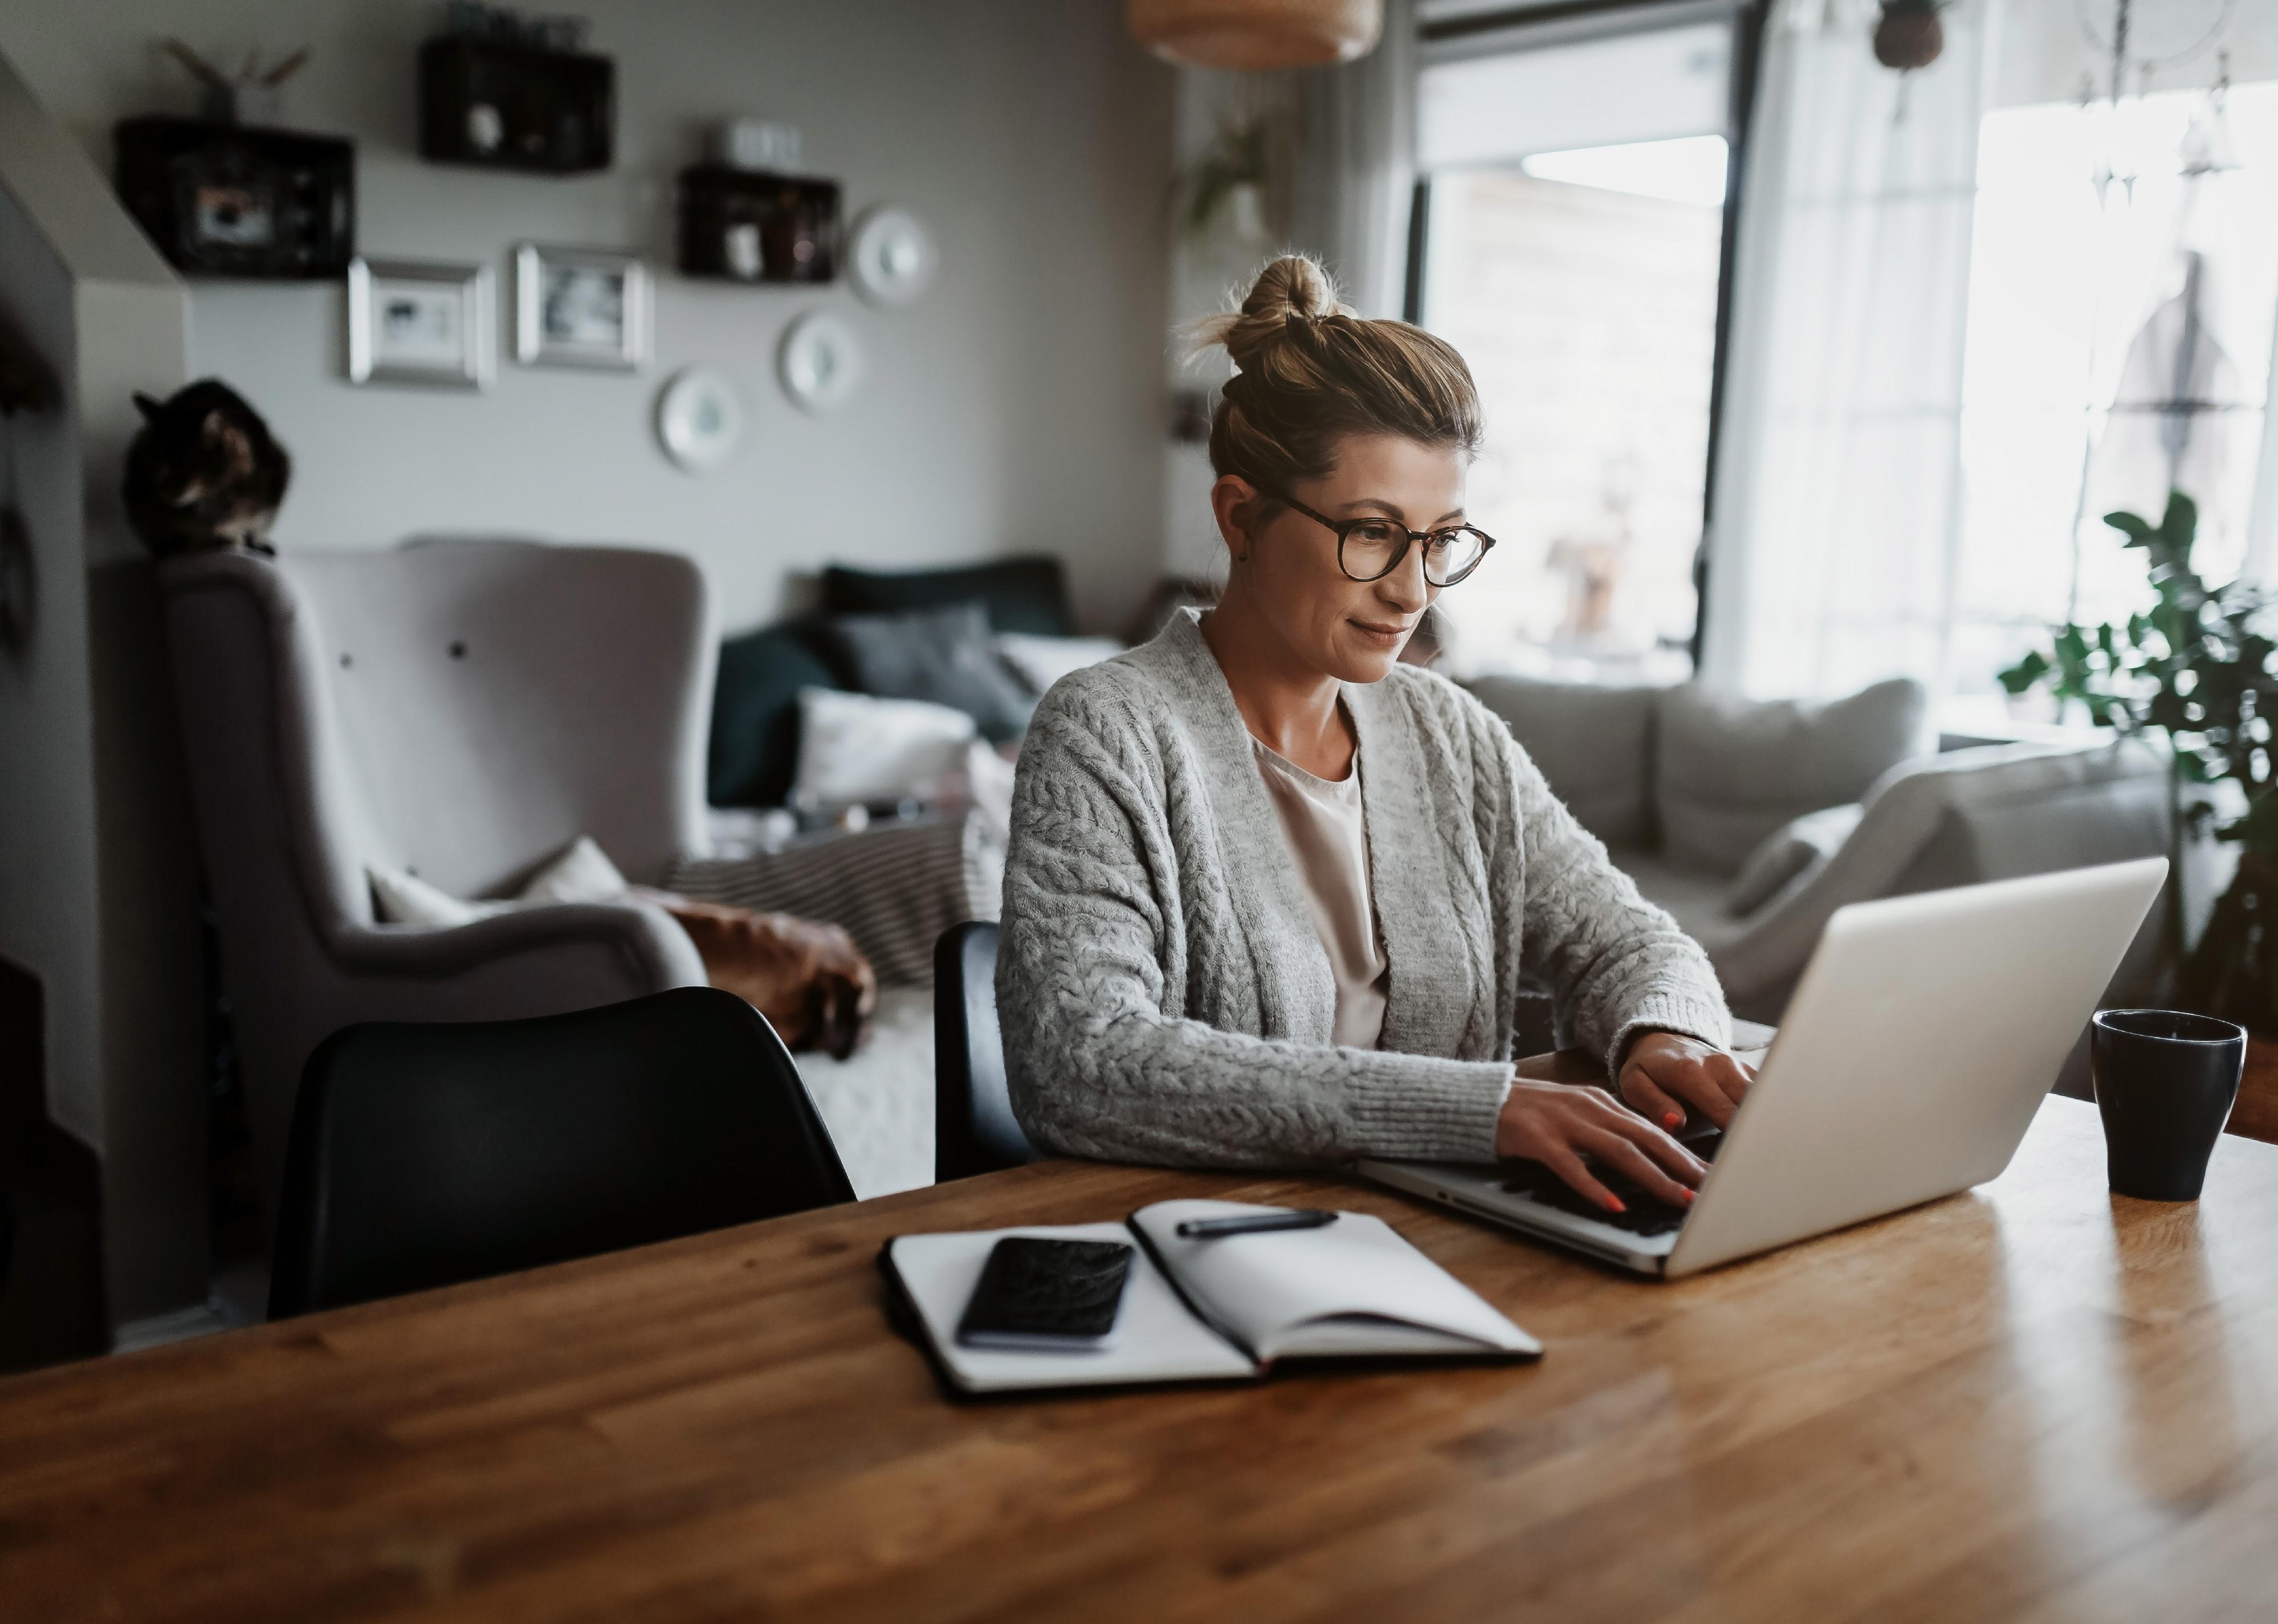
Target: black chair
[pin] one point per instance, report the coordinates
(426, 1155)
(973, 1129)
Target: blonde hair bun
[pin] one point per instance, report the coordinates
(1292, 288)
(1311, 371)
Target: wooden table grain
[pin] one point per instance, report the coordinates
(2034, 1401)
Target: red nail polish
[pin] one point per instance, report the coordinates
(1675, 1119)
(1614, 1203)
(1689, 1195)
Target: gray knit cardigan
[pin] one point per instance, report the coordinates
(1163, 995)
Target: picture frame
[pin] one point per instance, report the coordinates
(580, 308)
(411, 322)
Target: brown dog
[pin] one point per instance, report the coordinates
(814, 988)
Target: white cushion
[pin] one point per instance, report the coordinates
(401, 898)
(1042, 661)
(855, 749)
(580, 872)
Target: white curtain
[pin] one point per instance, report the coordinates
(1356, 166)
(1831, 545)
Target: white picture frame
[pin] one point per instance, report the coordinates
(411, 322)
(580, 308)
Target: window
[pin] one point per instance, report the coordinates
(2076, 398)
(1572, 237)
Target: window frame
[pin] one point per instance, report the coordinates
(1455, 30)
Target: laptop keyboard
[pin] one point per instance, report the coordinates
(1647, 1214)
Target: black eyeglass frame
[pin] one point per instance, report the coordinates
(1344, 528)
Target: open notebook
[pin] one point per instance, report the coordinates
(1213, 1310)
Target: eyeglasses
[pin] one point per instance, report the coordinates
(1370, 549)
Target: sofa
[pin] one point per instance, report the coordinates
(1751, 822)
(896, 876)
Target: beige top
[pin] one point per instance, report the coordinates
(1322, 822)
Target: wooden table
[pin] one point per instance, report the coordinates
(2032, 1402)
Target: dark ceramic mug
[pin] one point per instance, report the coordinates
(2165, 1081)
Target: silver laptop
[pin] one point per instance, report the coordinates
(1918, 1047)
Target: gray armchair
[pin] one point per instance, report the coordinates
(459, 710)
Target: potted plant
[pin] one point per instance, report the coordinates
(1232, 175)
(2195, 667)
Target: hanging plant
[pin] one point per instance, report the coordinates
(1242, 155)
(1910, 35)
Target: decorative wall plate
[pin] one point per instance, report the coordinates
(820, 361)
(893, 256)
(700, 419)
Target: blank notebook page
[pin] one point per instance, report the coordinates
(1353, 1286)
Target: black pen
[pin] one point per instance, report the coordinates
(1296, 1218)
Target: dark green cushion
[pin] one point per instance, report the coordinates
(1021, 594)
(755, 711)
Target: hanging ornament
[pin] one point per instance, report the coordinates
(1910, 35)
(1252, 34)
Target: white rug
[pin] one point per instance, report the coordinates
(878, 1102)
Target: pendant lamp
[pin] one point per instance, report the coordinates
(1250, 34)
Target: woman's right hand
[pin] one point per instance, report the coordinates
(1558, 1124)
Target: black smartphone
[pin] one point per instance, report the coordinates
(1047, 1296)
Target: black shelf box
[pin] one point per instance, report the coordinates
(232, 200)
(506, 106)
(746, 225)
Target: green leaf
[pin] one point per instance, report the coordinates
(2180, 523)
(2025, 673)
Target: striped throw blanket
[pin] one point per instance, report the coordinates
(895, 887)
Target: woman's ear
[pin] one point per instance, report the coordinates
(1234, 500)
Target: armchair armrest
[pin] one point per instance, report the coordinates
(1962, 818)
(653, 951)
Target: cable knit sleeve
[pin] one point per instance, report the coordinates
(1108, 866)
(1617, 966)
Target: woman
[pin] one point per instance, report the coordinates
(1271, 892)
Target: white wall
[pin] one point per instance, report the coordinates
(1018, 406)
(2041, 51)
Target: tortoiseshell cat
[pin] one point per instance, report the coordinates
(204, 474)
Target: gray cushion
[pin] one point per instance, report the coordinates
(1732, 771)
(941, 655)
(1797, 848)
(1593, 744)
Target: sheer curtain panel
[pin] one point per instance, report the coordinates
(1356, 166)
(1832, 537)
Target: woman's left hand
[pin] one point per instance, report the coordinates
(1665, 1073)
